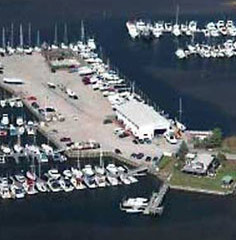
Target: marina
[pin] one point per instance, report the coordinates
(92, 213)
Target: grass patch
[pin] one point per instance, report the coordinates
(205, 182)
(229, 144)
(164, 162)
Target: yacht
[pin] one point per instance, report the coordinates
(54, 174)
(124, 179)
(19, 121)
(77, 182)
(17, 191)
(112, 169)
(180, 53)
(66, 184)
(18, 148)
(5, 188)
(5, 149)
(5, 119)
(89, 176)
(41, 185)
(113, 181)
(3, 103)
(91, 44)
(132, 30)
(100, 180)
(54, 185)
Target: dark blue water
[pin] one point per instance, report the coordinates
(207, 88)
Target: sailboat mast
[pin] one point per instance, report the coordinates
(177, 15)
(101, 159)
(12, 35)
(180, 109)
(3, 38)
(29, 34)
(38, 38)
(55, 35)
(82, 31)
(21, 36)
(65, 39)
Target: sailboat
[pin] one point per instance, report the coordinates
(178, 123)
(37, 48)
(176, 27)
(3, 48)
(10, 48)
(20, 48)
(65, 38)
(29, 50)
(55, 43)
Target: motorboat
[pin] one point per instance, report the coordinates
(41, 185)
(132, 29)
(54, 185)
(12, 130)
(67, 173)
(66, 184)
(113, 181)
(54, 174)
(112, 169)
(18, 148)
(19, 121)
(77, 182)
(100, 180)
(91, 44)
(5, 119)
(124, 179)
(5, 149)
(47, 149)
(31, 175)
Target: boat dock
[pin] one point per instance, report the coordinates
(154, 205)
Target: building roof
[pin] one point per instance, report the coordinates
(200, 164)
(142, 115)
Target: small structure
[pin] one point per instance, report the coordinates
(227, 181)
(201, 164)
(142, 120)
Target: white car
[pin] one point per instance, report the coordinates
(118, 131)
(170, 137)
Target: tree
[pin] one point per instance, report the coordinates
(183, 150)
(216, 138)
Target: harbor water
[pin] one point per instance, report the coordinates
(207, 88)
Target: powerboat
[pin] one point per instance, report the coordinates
(5, 119)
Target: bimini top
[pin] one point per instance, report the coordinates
(142, 115)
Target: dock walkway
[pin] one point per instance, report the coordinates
(153, 207)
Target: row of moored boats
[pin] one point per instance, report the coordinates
(20, 185)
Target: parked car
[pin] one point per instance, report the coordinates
(31, 98)
(135, 141)
(35, 105)
(140, 155)
(170, 137)
(65, 139)
(148, 141)
(133, 155)
(118, 151)
(148, 159)
(123, 135)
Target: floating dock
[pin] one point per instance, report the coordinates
(154, 206)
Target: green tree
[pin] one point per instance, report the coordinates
(216, 138)
(183, 150)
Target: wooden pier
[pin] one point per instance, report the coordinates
(154, 206)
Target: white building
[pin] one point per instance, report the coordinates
(142, 120)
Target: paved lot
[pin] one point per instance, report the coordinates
(84, 117)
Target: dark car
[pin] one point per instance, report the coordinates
(65, 139)
(123, 135)
(69, 144)
(148, 141)
(135, 141)
(141, 141)
(133, 155)
(139, 155)
(118, 151)
(148, 159)
(35, 105)
(31, 98)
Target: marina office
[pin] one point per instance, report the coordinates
(142, 120)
